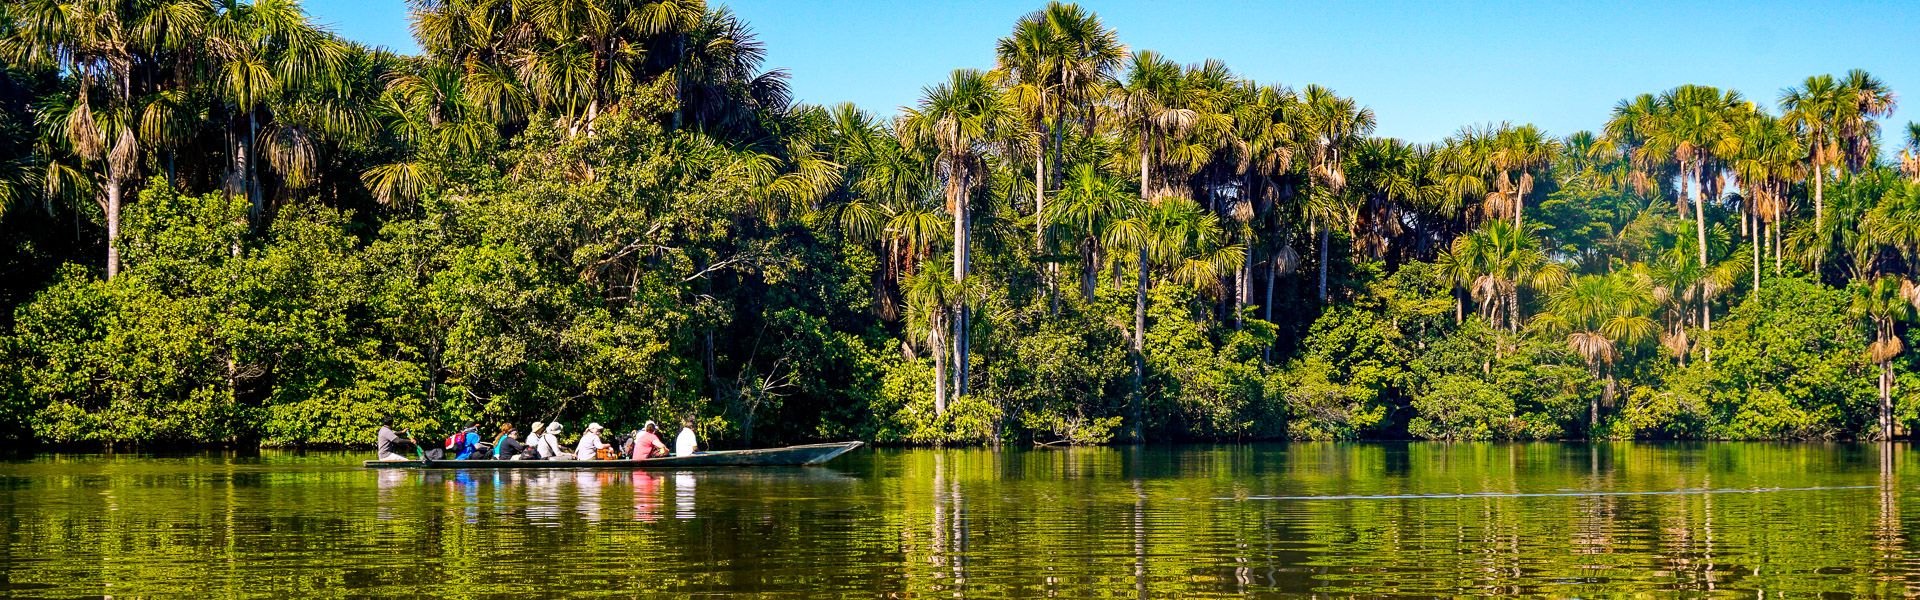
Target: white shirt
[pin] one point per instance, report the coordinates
(684, 443)
(546, 446)
(589, 446)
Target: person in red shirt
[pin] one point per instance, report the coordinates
(646, 443)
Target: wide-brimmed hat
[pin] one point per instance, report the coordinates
(555, 427)
(650, 426)
(537, 427)
(594, 427)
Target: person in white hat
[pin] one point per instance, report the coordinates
(549, 444)
(590, 444)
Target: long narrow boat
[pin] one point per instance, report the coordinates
(790, 456)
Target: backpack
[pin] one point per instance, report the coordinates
(453, 441)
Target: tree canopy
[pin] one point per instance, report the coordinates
(220, 222)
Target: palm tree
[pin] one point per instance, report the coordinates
(1865, 98)
(1818, 109)
(1148, 109)
(1910, 153)
(1493, 263)
(1524, 150)
(930, 300)
(1329, 125)
(1884, 302)
(1695, 127)
(1766, 162)
(962, 120)
(1056, 60)
(279, 77)
(1174, 234)
(1265, 127)
(102, 47)
(1599, 314)
(1026, 59)
(1089, 204)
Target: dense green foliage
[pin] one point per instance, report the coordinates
(609, 212)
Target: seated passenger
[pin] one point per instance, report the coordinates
(646, 443)
(468, 443)
(508, 446)
(549, 445)
(590, 446)
(685, 443)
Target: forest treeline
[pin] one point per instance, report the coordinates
(223, 223)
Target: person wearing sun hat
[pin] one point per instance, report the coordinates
(549, 445)
(590, 444)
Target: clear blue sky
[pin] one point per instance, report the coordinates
(1426, 68)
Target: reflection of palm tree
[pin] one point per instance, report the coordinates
(1598, 314)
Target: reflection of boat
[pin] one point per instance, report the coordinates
(790, 456)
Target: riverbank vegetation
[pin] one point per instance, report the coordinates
(224, 224)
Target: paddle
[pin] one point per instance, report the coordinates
(417, 450)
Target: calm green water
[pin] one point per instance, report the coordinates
(1373, 519)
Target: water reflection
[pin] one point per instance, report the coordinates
(1409, 519)
(683, 488)
(646, 495)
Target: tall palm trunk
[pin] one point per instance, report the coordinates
(253, 171)
(1755, 240)
(1040, 200)
(1700, 216)
(962, 240)
(1139, 349)
(1519, 205)
(1138, 409)
(1089, 269)
(1246, 282)
(1700, 228)
(1819, 189)
(1323, 264)
(1886, 399)
(1773, 239)
(1593, 403)
(1266, 308)
(1513, 309)
(937, 344)
(114, 185)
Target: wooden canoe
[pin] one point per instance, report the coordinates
(790, 456)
